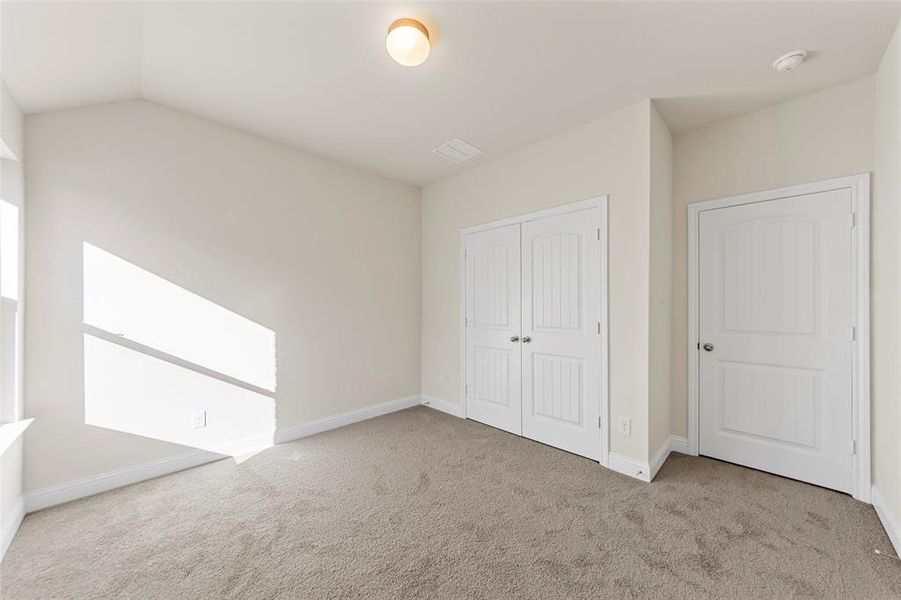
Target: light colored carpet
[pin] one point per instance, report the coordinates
(419, 504)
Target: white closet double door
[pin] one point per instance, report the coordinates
(532, 342)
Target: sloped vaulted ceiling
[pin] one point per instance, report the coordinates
(501, 75)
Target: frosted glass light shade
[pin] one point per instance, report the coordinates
(408, 42)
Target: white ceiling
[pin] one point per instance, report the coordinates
(501, 74)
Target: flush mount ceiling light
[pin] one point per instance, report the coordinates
(408, 42)
(790, 61)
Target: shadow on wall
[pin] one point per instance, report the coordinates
(164, 363)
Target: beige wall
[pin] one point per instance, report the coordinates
(661, 282)
(820, 136)
(325, 256)
(886, 292)
(246, 223)
(12, 191)
(607, 156)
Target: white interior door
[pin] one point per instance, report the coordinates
(561, 304)
(493, 372)
(775, 316)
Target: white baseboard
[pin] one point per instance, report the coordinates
(889, 522)
(678, 443)
(10, 525)
(674, 443)
(647, 471)
(95, 484)
(443, 405)
(660, 458)
(102, 482)
(302, 430)
(629, 466)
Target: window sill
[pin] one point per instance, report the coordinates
(10, 432)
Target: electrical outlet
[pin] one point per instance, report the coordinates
(625, 426)
(198, 419)
(441, 380)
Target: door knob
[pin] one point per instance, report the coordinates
(708, 347)
(526, 339)
(514, 338)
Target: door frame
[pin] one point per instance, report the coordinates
(599, 202)
(859, 185)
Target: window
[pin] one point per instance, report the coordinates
(10, 327)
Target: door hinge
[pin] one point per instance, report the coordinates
(466, 390)
(599, 234)
(853, 220)
(599, 328)
(853, 447)
(853, 334)
(600, 425)
(466, 321)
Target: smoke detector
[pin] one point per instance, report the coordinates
(790, 61)
(457, 150)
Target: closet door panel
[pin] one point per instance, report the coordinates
(492, 331)
(561, 309)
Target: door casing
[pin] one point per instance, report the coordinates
(859, 186)
(599, 202)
